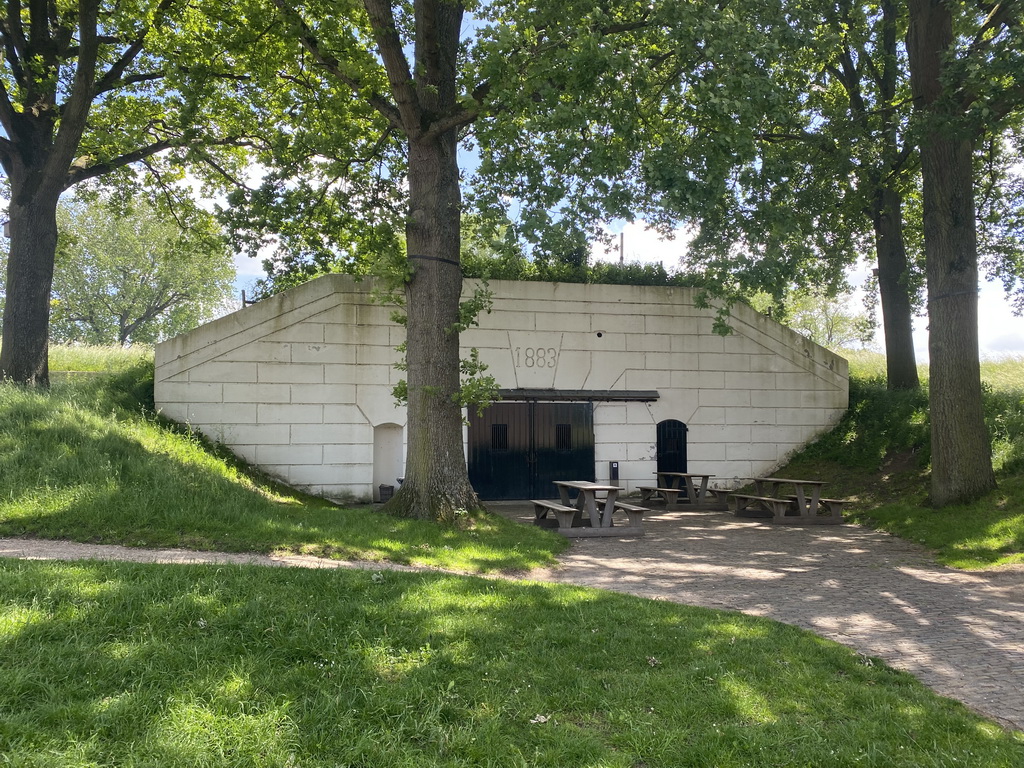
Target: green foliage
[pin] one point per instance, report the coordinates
(879, 423)
(1000, 201)
(89, 461)
(127, 275)
(477, 390)
(818, 315)
(119, 664)
(331, 192)
(521, 268)
(1004, 417)
(652, 112)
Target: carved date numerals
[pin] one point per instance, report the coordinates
(535, 357)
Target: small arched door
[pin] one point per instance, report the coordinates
(671, 446)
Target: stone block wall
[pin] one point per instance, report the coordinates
(300, 383)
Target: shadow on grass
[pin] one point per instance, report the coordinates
(120, 664)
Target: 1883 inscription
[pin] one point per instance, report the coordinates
(535, 357)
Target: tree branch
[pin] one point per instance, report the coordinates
(76, 108)
(445, 124)
(14, 35)
(76, 175)
(14, 42)
(7, 114)
(1001, 14)
(389, 45)
(113, 76)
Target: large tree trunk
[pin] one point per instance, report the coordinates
(961, 447)
(894, 290)
(33, 231)
(436, 485)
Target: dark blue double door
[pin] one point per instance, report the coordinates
(517, 449)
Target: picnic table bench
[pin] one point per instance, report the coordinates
(565, 515)
(688, 488)
(651, 492)
(741, 502)
(633, 512)
(804, 507)
(573, 514)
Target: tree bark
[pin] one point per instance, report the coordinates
(961, 447)
(33, 230)
(894, 290)
(436, 485)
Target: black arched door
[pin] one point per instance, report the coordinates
(671, 446)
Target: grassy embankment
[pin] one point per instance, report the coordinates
(879, 456)
(89, 461)
(113, 664)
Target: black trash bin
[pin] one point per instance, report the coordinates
(386, 492)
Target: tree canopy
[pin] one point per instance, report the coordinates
(95, 87)
(135, 275)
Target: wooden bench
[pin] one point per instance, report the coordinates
(830, 511)
(740, 502)
(633, 512)
(647, 492)
(721, 496)
(563, 514)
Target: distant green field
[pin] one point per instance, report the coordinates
(64, 357)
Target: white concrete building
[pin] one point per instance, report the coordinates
(300, 385)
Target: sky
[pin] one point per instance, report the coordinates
(1000, 332)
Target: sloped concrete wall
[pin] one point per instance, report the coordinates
(298, 383)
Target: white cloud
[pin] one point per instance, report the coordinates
(642, 244)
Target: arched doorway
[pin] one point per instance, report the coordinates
(671, 446)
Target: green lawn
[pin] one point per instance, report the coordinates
(128, 665)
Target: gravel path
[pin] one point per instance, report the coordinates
(962, 633)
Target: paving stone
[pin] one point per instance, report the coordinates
(959, 632)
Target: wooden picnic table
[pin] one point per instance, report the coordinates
(587, 501)
(808, 492)
(695, 493)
